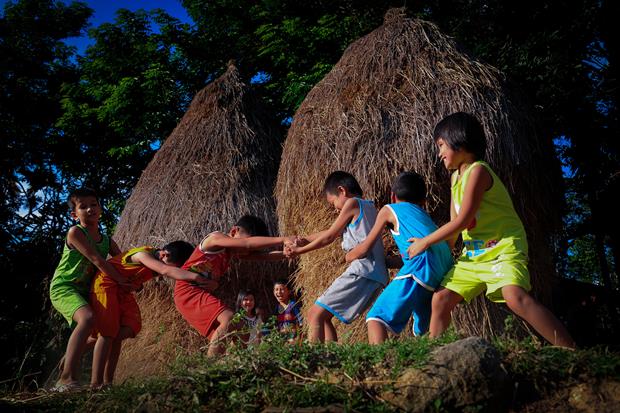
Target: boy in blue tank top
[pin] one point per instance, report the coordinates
(411, 290)
(353, 291)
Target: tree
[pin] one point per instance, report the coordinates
(35, 63)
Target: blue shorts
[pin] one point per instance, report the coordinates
(401, 299)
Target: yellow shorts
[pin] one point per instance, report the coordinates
(469, 277)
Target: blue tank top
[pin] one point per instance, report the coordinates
(429, 267)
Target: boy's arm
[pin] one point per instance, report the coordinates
(309, 238)
(170, 271)
(114, 249)
(323, 238)
(479, 182)
(264, 256)
(384, 217)
(78, 240)
(452, 240)
(219, 241)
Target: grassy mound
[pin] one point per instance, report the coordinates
(277, 377)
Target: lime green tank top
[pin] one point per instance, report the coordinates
(496, 229)
(74, 268)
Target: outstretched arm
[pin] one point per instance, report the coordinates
(264, 256)
(159, 267)
(218, 241)
(323, 238)
(77, 239)
(384, 217)
(479, 182)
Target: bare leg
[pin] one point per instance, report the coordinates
(443, 303)
(329, 330)
(377, 333)
(316, 324)
(115, 352)
(100, 358)
(216, 345)
(537, 315)
(70, 369)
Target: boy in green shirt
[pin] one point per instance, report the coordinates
(85, 250)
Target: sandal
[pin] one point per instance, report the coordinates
(60, 387)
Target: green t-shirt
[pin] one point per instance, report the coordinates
(76, 269)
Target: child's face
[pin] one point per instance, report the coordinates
(337, 200)
(281, 292)
(87, 210)
(448, 156)
(238, 232)
(164, 256)
(248, 303)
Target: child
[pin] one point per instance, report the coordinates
(494, 256)
(252, 317)
(352, 292)
(117, 315)
(288, 312)
(85, 250)
(211, 258)
(410, 292)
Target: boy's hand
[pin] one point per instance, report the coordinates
(206, 283)
(291, 251)
(349, 258)
(418, 246)
(124, 285)
(290, 240)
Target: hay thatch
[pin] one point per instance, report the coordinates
(373, 115)
(218, 164)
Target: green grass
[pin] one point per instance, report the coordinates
(353, 376)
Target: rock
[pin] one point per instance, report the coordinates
(596, 397)
(467, 373)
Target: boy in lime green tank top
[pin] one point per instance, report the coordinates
(494, 257)
(85, 250)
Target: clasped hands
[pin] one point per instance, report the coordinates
(291, 246)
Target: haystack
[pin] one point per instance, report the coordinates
(218, 164)
(373, 115)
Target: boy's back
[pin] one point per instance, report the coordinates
(430, 267)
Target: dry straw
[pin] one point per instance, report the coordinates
(373, 115)
(218, 164)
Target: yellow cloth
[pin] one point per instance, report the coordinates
(495, 244)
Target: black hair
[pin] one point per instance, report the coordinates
(254, 226)
(241, 296)
(179, 251)
(80, 193)
(462, 130)
(343, 179)
(409, 187)
(282, 281)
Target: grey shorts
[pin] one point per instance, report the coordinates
(349, 296)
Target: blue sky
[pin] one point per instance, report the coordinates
(104, 11)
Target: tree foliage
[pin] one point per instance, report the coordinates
(96, 119)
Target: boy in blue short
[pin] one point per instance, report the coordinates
(411, 290)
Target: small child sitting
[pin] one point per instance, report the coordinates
(252, 317)
(288, 312)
